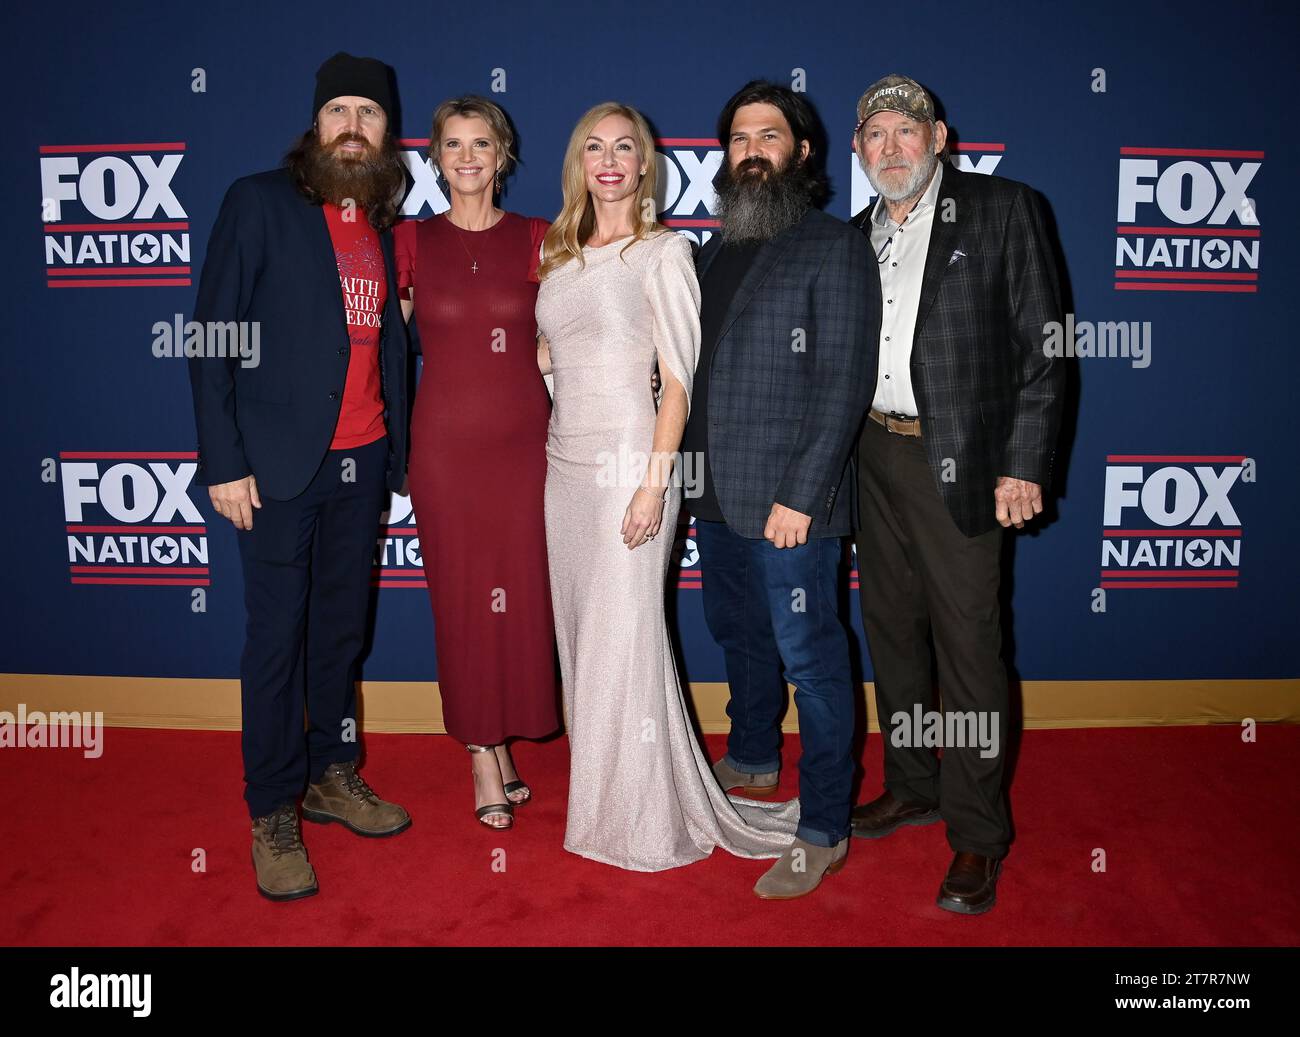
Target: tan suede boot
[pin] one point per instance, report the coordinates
(800, 870)
(279, 857)
(344, 796)
(750, 784)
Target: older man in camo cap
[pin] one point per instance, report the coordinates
(960, 444)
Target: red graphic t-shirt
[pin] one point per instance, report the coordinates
(365, 290)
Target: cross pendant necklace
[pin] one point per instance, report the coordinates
(473, 269)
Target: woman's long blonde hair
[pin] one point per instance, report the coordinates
(577, 219)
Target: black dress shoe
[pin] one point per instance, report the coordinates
(970, 887)
(881, 816)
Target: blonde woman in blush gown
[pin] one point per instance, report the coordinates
(618, 294)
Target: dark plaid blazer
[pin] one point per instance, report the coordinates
(989, 399)
(792, 376)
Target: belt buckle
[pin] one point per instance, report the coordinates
(897, 418)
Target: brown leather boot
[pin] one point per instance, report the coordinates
(279, 857)
(343, 796)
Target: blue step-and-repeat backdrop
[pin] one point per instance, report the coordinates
(1160, 136)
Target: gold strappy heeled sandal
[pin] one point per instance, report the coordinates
(518, 785)
(498, 809)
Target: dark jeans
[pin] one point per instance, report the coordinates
(307, 566)
(775, 614)
(918, 573)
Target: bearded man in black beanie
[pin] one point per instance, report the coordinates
(300, 448)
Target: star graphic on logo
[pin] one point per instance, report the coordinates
(165, 552)
(1198, 553)
(1216, 255)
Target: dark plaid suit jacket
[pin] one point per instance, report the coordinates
(792, 376)
(989, 400)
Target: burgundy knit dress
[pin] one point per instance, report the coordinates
(478, 473)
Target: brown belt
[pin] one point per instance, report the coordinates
(902, 426)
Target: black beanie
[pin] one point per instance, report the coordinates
(346, 76)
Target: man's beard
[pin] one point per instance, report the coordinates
(915, 183)
(753, 207)
(369, 181)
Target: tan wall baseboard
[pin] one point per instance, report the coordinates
(414, 706)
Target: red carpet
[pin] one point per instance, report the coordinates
(1199, 831)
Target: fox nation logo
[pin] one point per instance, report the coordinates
(687, 166)
(1170, 521)
(423, 198)
(398, 561)
(685, 197)
(1187, 221)
(130, 519)
(111, 216)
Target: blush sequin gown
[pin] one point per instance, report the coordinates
(642, 795)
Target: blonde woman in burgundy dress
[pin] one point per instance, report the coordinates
(478, 459)
(618, 295)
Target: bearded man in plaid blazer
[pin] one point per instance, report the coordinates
(789, 319)
(959, 444)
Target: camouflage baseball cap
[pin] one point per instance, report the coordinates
(895, 93)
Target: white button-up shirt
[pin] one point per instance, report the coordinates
(904, 247)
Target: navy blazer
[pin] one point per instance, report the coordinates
(270, 259)
(792, 376)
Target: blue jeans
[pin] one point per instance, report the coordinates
(775, 614)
